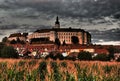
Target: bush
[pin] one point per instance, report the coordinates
(111, 51)
(8, 52)
(84, 56)
(55, 55)
(101, 57)
(72, 56)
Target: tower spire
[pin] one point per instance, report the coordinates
(57, 23)
(57, 19)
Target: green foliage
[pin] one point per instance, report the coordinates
(59, 71)
(64, 43)
(18, 41)
(57, 42)
(32, 76)
(8, 52)
(72, 56)
(84, 56)
(5, 39)
(21, 63)
(32, 62)
(82, 74)
(69, 77)
(42, 70)
(107, 69)
(55, 55)
(78, 71)
(101, 57)
(56, 74)
(63, 64)
(59, 56)
(111, 51)
(1, 47)
(19, 76)
(13, 42)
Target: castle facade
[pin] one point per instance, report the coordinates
(63, 34)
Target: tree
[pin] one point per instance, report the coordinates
(64, 43)
(13, 42)
(22, 42)
(111, 51)
(84, 56)
(18, 40)
(1, 47)
(72, 56)
(5, 39)
(101, 57)
(75, 40)
(8, 52)
(57, 42)
(55, 55)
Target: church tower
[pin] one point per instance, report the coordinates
(57, 23)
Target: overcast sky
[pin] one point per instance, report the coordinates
(100, 17)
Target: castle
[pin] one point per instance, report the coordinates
(63, 34)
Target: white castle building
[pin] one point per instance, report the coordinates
(63, 34)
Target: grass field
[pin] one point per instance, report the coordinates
(49, 70)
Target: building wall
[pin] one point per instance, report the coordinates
(15, 38)
(67, 36)
(39, 35)
(52, 36)
(63, 36)
(85, 38)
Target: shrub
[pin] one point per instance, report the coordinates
(84, 56)
(72, 56)
(59, 56)
(55, 55)
(52, 55)
(101, 57)
(111, 51)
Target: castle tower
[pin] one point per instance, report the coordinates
(57, 23)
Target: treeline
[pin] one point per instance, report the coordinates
(82, 56)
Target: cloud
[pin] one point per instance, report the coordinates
(71, 8)
(108, 43)
(105, 36)
(100, 15)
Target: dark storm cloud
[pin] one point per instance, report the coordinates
(16, 13)
(8, 27)
(109, 35)
(66, 8)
